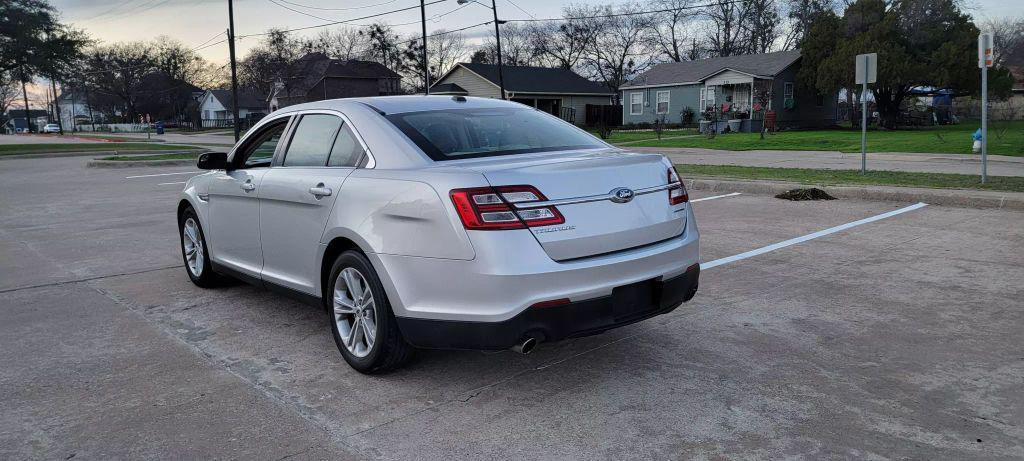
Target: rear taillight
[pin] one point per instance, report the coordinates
(676, 191)
(488, 208)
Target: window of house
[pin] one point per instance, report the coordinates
(788, 90)
(662, 102)
(636, 103)
(819, 99)
(710, 97)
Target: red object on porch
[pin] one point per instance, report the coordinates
(726, 106)
(769, 120)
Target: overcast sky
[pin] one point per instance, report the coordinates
(194, 22)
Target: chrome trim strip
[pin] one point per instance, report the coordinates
(587, 199)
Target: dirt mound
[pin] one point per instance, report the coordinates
(812, 193)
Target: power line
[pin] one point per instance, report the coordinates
(298, 11)
(333, 23)
(628, 13)
(338, 9)
(520, 9)
(437, 34)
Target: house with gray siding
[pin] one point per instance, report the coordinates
(559, 92)
(745, 87)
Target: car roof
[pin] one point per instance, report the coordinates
(404, 104)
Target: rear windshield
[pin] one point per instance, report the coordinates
(467, 133)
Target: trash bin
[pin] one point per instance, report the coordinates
(977, 142)
(159, 127)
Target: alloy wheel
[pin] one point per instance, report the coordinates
(193, 247)
(355, 312)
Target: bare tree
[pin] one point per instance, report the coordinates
(801, 14)
(1007, 40)
(725, 34)
(343, 43)
(10, 90)
(564, 44)
(445, 50)
(618, 52)
(761, 27)
(517, 46)
(669, 31)
(116, 75)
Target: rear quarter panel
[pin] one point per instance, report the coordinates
(403, 212)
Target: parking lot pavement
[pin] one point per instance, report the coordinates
(897, 338)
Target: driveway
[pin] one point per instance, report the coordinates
(840, 329)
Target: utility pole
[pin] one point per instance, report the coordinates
(426, 66)
(497, 39)
(234, 67)
(24, 95)
(56, 106)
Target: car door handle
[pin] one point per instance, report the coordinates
(248, 186)
(320, 191)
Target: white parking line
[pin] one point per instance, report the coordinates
(794, 241)
(716, 196)
(169, 183)
(160, 174)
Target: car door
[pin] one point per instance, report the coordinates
(234, 205)
(298, 194)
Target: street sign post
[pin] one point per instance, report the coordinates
(984, 62)
(867, 72)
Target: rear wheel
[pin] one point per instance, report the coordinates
(362, 322)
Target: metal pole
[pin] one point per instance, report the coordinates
(497, 39)
(984, 123)
(24, 95)
(864, 123)
(426, 67)
(234, 70)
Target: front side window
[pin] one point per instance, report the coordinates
(311, 144)
(788, 91)
(663, 97)
(466, 133)
(636, 103)
(259, 151)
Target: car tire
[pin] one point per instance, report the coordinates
(194, 251)
(376, 345)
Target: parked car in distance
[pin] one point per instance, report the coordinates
(51, 128)
(442, 222)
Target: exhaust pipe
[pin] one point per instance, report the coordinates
(526, 346)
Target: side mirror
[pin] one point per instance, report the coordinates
(213, 161)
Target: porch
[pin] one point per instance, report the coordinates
(734, 101)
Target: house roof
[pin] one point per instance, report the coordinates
(527, 79)
(448, 88)
(311, 68)
(16, 113)
(766, 64)
(247, 99)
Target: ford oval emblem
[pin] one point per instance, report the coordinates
(622, 194)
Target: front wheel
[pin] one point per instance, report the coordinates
(193, 251)
(362, 323)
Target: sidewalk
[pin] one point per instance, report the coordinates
(998, 165)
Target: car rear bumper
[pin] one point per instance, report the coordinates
(627, 304)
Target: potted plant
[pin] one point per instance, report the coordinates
(686, 116)
(706, 119)
(736, 121)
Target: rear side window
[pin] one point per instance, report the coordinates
(313, 140)
(346, 151)
(467, 133)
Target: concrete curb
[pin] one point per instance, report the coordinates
(948, 197)
(92, 153)
(138, 163)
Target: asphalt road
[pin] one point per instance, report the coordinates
(898, 338)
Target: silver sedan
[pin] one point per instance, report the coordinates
(442, 222)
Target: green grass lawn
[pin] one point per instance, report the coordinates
(627, 136)
(1005, 138)
(853, 177)
(126, 158)
(16, 149)
(139, 138)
